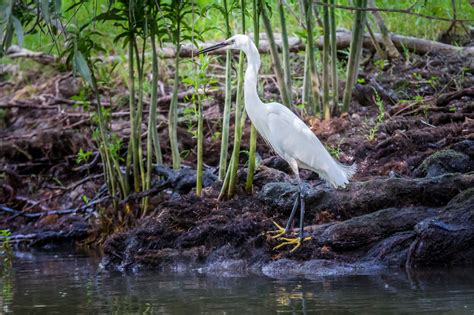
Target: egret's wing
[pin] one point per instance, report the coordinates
(292, 139)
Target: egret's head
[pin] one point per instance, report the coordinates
(239, 41)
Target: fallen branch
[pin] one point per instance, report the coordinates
(48, 237)
(418, 45)
(444, 99)
(15, 52)
(35, 215)
(343, 39)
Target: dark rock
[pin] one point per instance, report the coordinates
(287, 268)
(447, 238)
(267, 174)
(392, 250)
(465, 146)
(369, 228)
(445, 161)
(279, 194)
(360, 198)
(277, 163)
(184, 180)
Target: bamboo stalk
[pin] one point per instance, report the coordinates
(133, 148)
(225, 183)
(173, 116)
(306, 97)
(326, 53)
(227, 102)
(355, 52)
(110, 161)
(139, 113)
(253, 131)
(237, 129)
(152, 143)
(334, 79)
(275, 58)
(154, 102)
(238, 115)
(285, 49)
(200, 150)
(315, 82)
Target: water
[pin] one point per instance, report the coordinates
(45, 283)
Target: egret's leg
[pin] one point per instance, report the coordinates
(296, 241)
(280, 230)
(293, 212)
(302, 204)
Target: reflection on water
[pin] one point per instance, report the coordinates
(69, 284)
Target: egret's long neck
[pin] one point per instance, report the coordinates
(252, 101)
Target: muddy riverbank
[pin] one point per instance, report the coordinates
(411, 203)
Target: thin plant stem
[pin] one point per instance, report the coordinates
(253, 131)
(139, 113)
(285, 49)
(374, 42)
(390, 48)
(238, 115)
(237, 129)
(225, 183)
(152, 143)
(355, 52)
(173, 115)
(275, 58)
(315, 82)
(133, 137)
(200, 150)
(306, 98)
(227, 102)
(326, 53)
(154, 102)
(334, 79)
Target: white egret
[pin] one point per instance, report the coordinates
(288, 135)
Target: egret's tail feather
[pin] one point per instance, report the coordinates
(349, 170)
(339, 176)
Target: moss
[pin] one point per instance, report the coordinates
(444, 161)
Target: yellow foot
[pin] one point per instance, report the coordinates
(292, 241)
(279, 231)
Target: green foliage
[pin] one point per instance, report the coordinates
(380, 64)
(13, 14)
(201, 83)
(335, 151)
(372, 133)
(83, 156)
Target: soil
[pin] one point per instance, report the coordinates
(410, 204)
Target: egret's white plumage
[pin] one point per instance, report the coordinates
(287, 134)
(283, 130)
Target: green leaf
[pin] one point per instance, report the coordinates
(18, 30)
(80, 65)
(112, 15)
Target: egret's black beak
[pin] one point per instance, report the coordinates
(213, 47)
